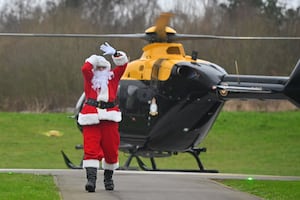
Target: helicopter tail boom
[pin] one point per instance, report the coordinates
(261, 87)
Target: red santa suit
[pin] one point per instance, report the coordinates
(100, 125)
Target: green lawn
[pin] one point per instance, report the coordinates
(255, 143)
(272, 190)
(239, 142)
(25, 145)
(27, 187)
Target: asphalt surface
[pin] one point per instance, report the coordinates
(137, 185)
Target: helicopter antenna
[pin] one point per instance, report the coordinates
(237, 70)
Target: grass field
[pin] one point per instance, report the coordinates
(269, 190)
(255, 143)
(239, 142)
(27, 187)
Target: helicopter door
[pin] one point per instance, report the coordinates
(134, 100)
(134, 97)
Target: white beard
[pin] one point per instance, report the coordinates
(101, 78)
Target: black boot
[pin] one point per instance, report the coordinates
(108, 182)
(91, 175)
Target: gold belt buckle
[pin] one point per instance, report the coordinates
(99, 104)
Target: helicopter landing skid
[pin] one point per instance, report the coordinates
(195, 152)
(135, 153)
(69, 163)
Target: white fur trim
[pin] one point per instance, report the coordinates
(112, 115)
(113, 166)
(103, 95)
(88, 119)
(93, 60)
(91, 163)
(102, 62)
(98, 61)
(120, 60)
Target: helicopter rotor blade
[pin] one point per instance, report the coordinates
(175, 37)
(66, 35)
(161, 22)
(178, 37)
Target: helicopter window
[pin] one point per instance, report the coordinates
(186, 71)
(130, 98)
(173, 50)
(131, 89)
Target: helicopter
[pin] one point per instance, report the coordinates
(170, 100)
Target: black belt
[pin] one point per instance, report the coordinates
(100, 104)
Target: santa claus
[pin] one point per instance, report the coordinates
(100, 115)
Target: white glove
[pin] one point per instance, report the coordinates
(107, 49)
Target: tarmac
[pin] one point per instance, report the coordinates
(137, 185)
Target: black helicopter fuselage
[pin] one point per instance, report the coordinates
(186, 104)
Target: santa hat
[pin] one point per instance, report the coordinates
(98, 61)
